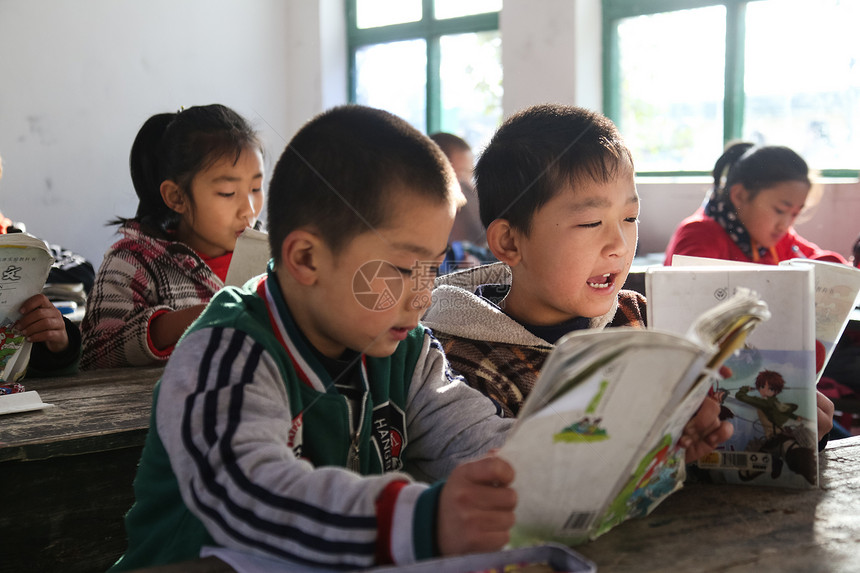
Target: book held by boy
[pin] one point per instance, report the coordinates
(769, 395)
(595, 442)
(25, 262)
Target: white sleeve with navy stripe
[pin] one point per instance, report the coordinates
(223, 417)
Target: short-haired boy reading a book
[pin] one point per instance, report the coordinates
(295, 414)
(557, 196)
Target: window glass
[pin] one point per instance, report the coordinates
(672, 83)
(471, 85)
(802, 85)
(393, 77)
(373, 13)
(456, 8)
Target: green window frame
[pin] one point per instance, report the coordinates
(733, 97)
(428, 28)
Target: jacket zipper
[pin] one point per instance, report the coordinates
(353, 462)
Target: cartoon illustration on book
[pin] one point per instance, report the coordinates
(786, 443)
(770, 432)
(583, 430)
(10, 342)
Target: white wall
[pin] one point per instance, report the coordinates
(551, 53)
(77, 79)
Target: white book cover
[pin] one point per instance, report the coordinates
(770, 394)
(837, 291)
(250, 257)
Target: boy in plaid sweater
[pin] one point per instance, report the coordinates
(557, 195)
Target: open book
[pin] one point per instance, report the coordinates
(770, 394)
(25, 262)
(595, 441)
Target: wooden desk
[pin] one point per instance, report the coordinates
(67, 471)
(723, 528)
(707, 528)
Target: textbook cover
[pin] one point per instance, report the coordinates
(250, 257)
(25, 262)
(595, 442)
(769, 395)
(837, 288)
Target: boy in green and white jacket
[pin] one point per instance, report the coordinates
(295, 414)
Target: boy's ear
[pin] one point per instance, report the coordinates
(300, 254)
(173, 196)
(503, 242)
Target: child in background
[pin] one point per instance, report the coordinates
(198, 175)
(467, 242)
(557, 196)
(294, 415)
(56, 340)
(749, 215)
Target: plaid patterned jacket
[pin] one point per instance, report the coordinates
(139, 277)
(493, 352)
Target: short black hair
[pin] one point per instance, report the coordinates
(450, 143)
(539, 152)
(340, 170)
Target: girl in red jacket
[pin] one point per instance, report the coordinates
(750, 216)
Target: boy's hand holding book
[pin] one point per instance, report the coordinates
(705, 431)
(476, 507)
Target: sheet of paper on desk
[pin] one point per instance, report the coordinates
(22, 402)
(250, 257)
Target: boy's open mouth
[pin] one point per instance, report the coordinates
(601, 281)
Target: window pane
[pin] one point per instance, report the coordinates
(393, 77)
(471, 90)
(802, 85)
(456, 8)
(373, 13)
(672, 83)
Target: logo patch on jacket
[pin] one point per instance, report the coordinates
(389, 435)
(294, 439)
